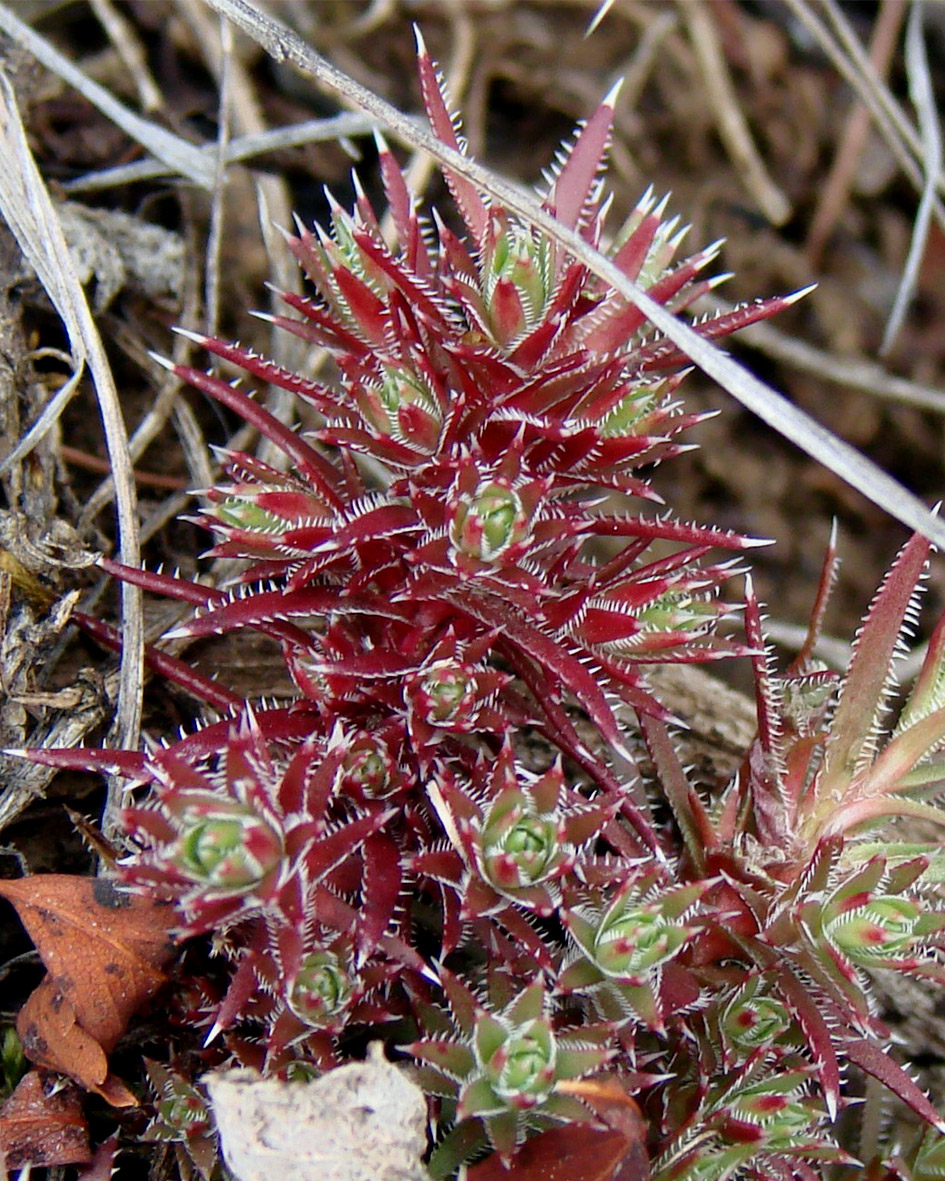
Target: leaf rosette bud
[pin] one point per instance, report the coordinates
(623, 944)
(517, 1062)
(445, 693)
(880, 929)
(321, 990)
(516, 275)
(401, 406)
(490, 521)
(520, 847)
(510, 1061)
(227, 849)
(752, 1018)
(369, 770)
(517, 833)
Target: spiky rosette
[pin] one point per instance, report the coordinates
(281, 848)
(514, 835)
(503, 1065)
(182, 1118)
(763, 1119)
(245, 831)
(492, 392)
(450, 562)
(623, 939)
(807, 908)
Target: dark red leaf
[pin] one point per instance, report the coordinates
(581, 1152)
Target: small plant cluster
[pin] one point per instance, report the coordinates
(467, 552)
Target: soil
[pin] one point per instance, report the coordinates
(154, 252)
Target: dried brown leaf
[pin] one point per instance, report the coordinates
(104, 951)
(42, 1128)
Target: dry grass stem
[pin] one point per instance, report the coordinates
(853, 140)
(218, 201)
(177, 153)
(28, 210)
(865, 376)
(923, 98)
(239, 150)
(912, 138)
(871, 92)
(129, 48)
(731, 122)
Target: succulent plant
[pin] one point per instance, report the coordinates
(182, 1118)
(429, 559)
(623, 942)
(503, 1065)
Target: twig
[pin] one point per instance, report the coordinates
(167, 402)
(897, 116)
(95, 463)
(177, 153)
(646, 55)
(871, 93)
(47, 419)
(923, 98)
(866, 376)
(728, 114)
(837, 653)
(129, 48)
(272, 200)
(834, 196)
(377, 13)
(284, 45)
(244, 148)
(31, 216)
(217, 204)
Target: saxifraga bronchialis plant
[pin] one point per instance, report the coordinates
(376, 855)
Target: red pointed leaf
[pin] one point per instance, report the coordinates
(465, 193)
(380, 890)
(571, 193)
(871, 1059)
(862, 691)
(314, 466)
(804, 1006)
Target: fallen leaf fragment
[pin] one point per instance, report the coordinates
(51, 1036)
(362, 1122)
(40, 1128)
(104, 951)
(581, 1152)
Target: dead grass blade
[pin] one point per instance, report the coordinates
(177, 153)
(923, 99)
(28, 210)
(283, 44)
(897, 116)
(836, 191)
(729, 118)
(853, 64)
(851, 372)
(245, 147)
(123, 36)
